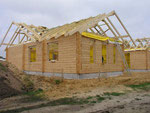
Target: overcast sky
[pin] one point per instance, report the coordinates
(135, 14)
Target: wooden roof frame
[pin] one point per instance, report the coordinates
(33, 33)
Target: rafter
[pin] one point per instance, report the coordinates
(6, 34)
(100, 25)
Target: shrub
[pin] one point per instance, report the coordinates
(57, 81)
(2, 67)
(29, 85)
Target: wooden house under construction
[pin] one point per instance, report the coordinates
(138, 58)
(81, 49)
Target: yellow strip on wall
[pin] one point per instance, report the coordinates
(114, 54)
(97, 37)
(33, 54)
(127, 56)
(104, 54)
(91, 54)
(133, 49)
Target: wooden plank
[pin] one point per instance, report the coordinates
(43, 56)
(23, 57)
(92, 30)
(34, 38)
(4, 44)
(97, 30)
(6, 33)
(12, 37)
(6, 54)
(22, 39)
(147, 59)
(91, 23)
(125, 29)
(102, 30)
(115, 29)
(122, 36)
(78, 53)
(110, 29)
(32, 31)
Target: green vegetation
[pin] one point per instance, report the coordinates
(57, 81)
(92, 102)
(29, 85)
(2, 67)
(100, 98)
(69, 101)
(34, 95)
(113, 94)
(90, 97)
(38, 94)
(143, 86)
(137, 99)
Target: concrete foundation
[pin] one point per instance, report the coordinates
(77, 76)
(82, 76)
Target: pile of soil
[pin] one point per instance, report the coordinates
(9, 83)
(55, 87)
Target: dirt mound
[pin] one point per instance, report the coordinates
(54, 87)
(9, 84)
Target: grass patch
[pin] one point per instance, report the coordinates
(62, 101)
(2, 67)
(69, 101)
(34, 96)
(143, 86)
(113, 94)
(90, 97)
(93, 102)
(29, 85)
(57, 81)
(34, 93)
(100, 98)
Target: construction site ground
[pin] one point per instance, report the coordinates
(122, 94)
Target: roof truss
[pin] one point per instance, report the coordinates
(100, 25)
(24, 33)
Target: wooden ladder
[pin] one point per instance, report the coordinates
(126, 66)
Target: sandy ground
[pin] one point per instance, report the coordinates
(69, 88)
(133, 102)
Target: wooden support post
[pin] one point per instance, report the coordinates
(43, 56)
(78, 53)
(7, 54)
(62, 74)
(19, 38)
(147, 59)
(23, 57)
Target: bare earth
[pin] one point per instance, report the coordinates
(133, 102)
